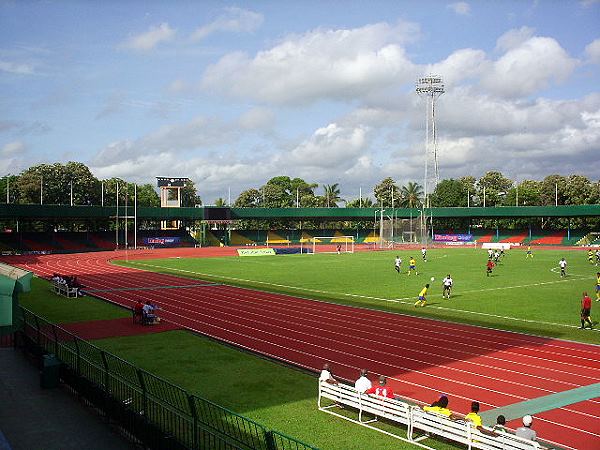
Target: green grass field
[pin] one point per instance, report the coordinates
(525, 295)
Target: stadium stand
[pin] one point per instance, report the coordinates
(513, 237)
(551, 239)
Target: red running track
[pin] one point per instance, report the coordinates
(421, 357)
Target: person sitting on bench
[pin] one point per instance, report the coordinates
(149, 314)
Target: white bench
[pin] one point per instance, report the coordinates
(64, 289)
(419, 423)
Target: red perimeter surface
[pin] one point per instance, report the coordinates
(421, 357)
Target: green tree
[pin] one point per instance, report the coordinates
(147, 196)
(220, 202)
(189, 195)
(526, 193)
(250, 198)
(449, 193)
(495, 186)
(412, 195)
(385, 192)
(9, 186)
(553, 190)
(366, 202)
(332, 195)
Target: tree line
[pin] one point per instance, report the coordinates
(61, 184)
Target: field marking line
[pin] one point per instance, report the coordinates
(401, 300)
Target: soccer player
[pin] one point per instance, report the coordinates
(490, 253)
(447, 285)
(397, 263)
(563, 267)
(422, 296)
(489, 267)
(496, 256)
(412, 266)
(475, 419)
(598, 287)
(598, 257)
(586, 306)
(591, 256)
(424, 253)
(528, 254)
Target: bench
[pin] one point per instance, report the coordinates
(419, 423)
(64, 289)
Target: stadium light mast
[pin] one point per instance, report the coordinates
(430, 88)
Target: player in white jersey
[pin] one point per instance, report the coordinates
(397, 264)
(563, 267)
(447, 285)
(424, 254)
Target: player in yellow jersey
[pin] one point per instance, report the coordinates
(598, 287)
(412, 266)
(591, 256)
(422, 296)
(529, 254)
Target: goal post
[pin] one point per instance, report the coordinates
(332, 244)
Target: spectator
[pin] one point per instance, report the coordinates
(149, 314)
(326, 375)
(525, 431)
(382, 390)
(138, 312)
(500, 424)
(441, 407)
(363, 383)
(475, 419)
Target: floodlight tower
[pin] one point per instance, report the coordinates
(430, 87)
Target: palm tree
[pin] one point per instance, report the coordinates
(332, 194)
(412, 195)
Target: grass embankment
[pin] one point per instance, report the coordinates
(274, 395)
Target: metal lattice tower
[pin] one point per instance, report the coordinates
(430, 87)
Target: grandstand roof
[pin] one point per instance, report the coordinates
(33, 212)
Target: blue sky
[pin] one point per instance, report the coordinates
(232, 94)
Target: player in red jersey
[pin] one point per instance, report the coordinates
(489, 266)
(586, 306)
(382, 390)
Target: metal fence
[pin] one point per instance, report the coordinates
(156, 412)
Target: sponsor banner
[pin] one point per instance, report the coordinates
(453, 237)
(162, 240)
(255, 251)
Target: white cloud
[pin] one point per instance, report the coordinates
(461, 65)
(14, 148)
(16, 68)
(588, 3)
(235, 20)
(460, 8)
(528, 68)
(514, 38)
(330, 147)
(342, 64)
(257, 118)
(592, 51)
(151, 38)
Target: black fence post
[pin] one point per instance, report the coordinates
(194, 412)
(105, 364)
(144, 392)
(270, 440)
(55, 340)
(77, 351)
(37, 329)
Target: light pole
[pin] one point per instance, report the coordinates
(431, 88)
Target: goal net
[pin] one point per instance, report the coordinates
(332, 244)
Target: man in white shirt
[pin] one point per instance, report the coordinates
(525, 431)
(424, 254)
(363, 383)
(326, 375)
(563, 267)
(447, 285)
(397, 264)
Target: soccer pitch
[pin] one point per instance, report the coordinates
(525, 295)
